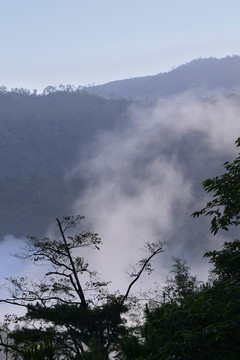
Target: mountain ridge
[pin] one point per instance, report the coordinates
(208, 73)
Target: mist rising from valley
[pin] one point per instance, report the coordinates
(144, 180)
(133, 167)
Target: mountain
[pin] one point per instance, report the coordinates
(200, 74)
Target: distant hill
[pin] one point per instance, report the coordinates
(41, 138)
(45, 133)
(206, 74)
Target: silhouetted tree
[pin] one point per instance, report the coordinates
(70, 309)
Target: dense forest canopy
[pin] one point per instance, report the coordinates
(45, 133)
(41, 138)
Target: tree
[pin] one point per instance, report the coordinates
(182, 285)
(70, 309)
(225, 206)
(197, 322)
(166, 321)
(193, 321)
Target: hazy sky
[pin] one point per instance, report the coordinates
(48, 42)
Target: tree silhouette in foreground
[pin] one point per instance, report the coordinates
(70, 314)
(224, 208)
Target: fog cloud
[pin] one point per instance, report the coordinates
(10, 266)
(144, 180)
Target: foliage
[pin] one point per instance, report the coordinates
(182, 285)
(226, 262)
(205, 324)
(70, 308)
(42, 351)
(199, 321)
(225, 206)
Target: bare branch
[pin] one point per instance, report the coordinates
(154, 249)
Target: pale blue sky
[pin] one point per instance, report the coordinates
(48, 42)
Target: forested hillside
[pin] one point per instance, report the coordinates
(45, 133)
(41, 139)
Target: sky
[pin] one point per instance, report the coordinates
(52, 42)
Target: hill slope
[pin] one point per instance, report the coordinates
(41, 138)
(207, 74)
(45, 133)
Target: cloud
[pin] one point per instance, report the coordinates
(12, 266)
(144, 180)
(9, 266)
(9, 247)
